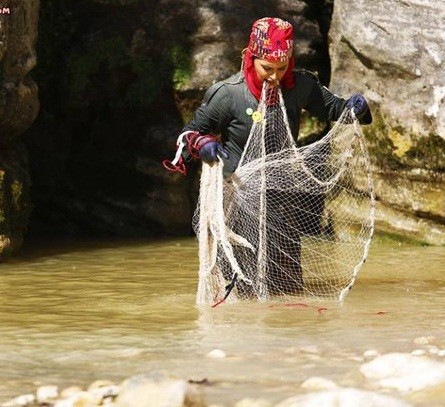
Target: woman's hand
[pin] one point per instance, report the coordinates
(209, 152)
(358, 104)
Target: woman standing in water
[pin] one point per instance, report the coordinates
(221, 126)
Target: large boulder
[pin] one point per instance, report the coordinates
(394, 53)
(404, 372)
(19, 105)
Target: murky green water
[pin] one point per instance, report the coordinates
(72, 313)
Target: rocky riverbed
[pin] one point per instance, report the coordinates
(389, 380)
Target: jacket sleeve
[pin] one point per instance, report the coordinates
(322, 103)
(325, 105)
(213, 113)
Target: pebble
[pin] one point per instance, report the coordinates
(67, 402)
(142, 391)
(46, 394)
(434, 350)
(418, 352)
(404, 372)
(424, 340)
(216, 354)
(313, 349)
(371, 353)
(98, 384)
(70, 391)
(22, 400)
(343, 397)
(103, 390)
(248, 402)
(356, 358)
(319, 383)
(81, 399)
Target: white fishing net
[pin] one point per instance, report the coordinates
(289, 222)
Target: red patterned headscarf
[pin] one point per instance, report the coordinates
(271, 39)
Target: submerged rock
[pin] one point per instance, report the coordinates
(319, 383)
(143, 391)
(253, 403)
(139, 391)
(216, 354)
(370, 353)
(404, 372)
(46, 394)
(23, 400)
(347, 397)
(81, 399)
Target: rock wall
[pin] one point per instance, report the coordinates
(107, 71)
(394, 53)
(118, 78)
(19, 105)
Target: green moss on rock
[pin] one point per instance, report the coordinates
(180, 59)
(15, 211)
(428, 152)
(393, 147)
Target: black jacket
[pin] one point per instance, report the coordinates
(224, 110)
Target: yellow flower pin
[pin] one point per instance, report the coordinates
(257, 116)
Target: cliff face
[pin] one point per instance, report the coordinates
(19, 105)
(397, 59)
(118, 78)
(106, 74)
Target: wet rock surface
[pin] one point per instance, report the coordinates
(19, 105)
(396, 60)
(91, 109)
(390, 380)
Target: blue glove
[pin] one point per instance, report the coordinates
(205, 146)
(210, 150)
(358, 104)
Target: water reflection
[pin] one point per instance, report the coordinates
(73, 312)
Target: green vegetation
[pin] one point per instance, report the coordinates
(396, 148)
(182, 68)
(428, 152)
(14, 206)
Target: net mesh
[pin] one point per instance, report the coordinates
(289, 221)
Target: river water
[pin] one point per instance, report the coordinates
(75, 312)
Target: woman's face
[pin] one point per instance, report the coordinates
(271, 72)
